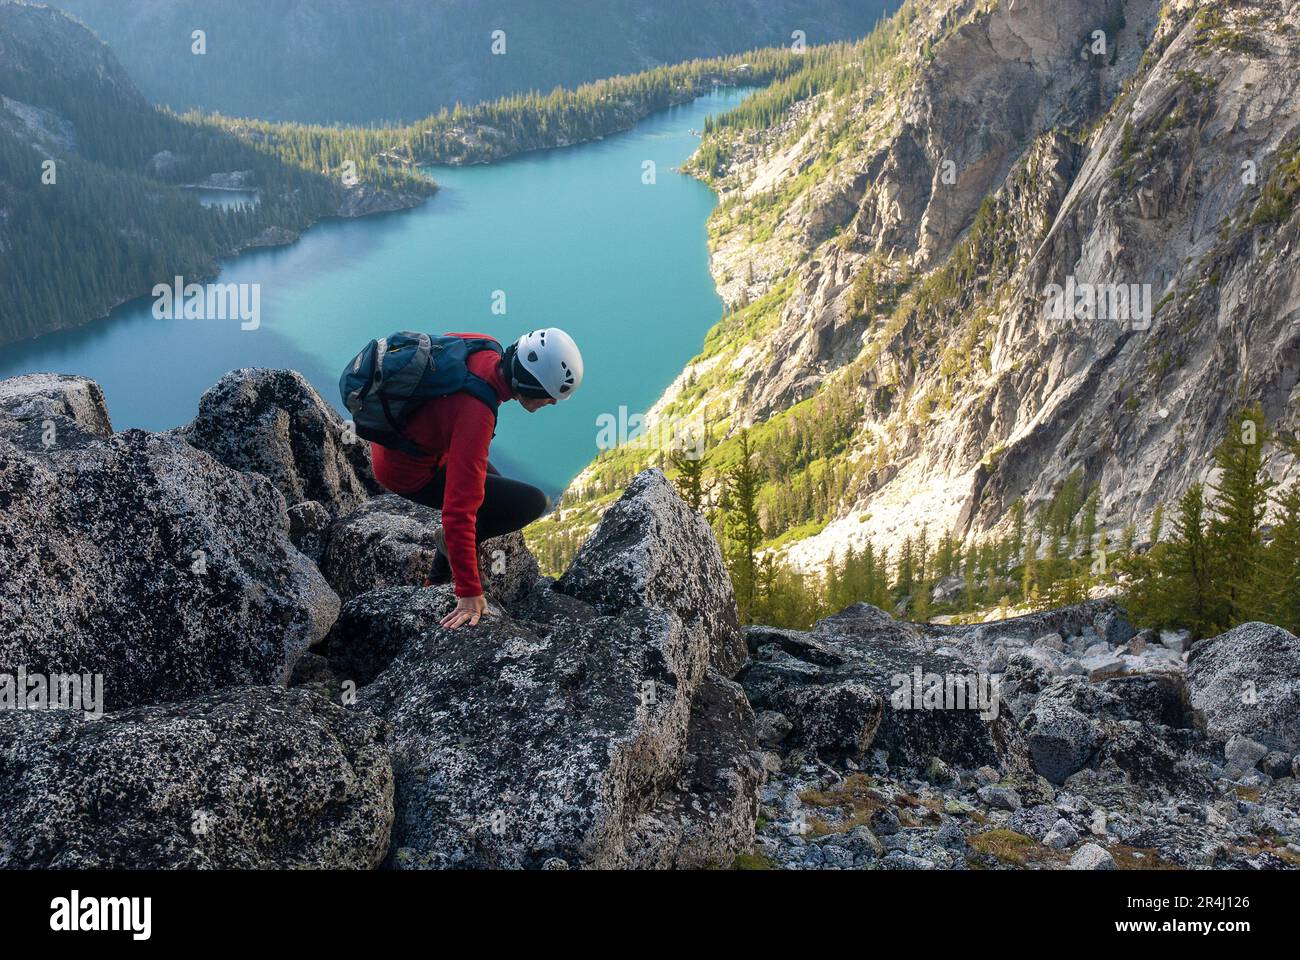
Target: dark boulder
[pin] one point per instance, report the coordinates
(518, 745)
(863, 653)
(252, 777)
(1247, 681)
(709, 817)
(274, 423)
(651, 550)
(389, 542)
(142, 559)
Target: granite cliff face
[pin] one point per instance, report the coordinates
(182, 686)
(899, 242)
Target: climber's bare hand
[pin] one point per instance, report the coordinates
(468, 611)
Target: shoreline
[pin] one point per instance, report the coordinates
(405, 203)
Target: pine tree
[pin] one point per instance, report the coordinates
(1157, 522)
(1282, 600)
(1088, 525)
(690, 477)
(1018, 528)
(1029, 574)
(1173, 585)
(1241, 501)
(744, 530)
(1129, 543)
(906, 570)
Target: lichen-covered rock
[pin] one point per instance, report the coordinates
(374, 628)
(651, 550)
(832, 715)
(274, 423)
(867, 649)
(1060, 739)
(515, 745)
(309, 523)
(1247, 681)
(1128, 727)
(252, 777)
(1092, 856)
(1101, 620)
(43, 403)
(710, 816)
(835, 718)
(142, 559)
(389, 542)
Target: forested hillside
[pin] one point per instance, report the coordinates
(91, 210)
(363, 61)
(534, 121)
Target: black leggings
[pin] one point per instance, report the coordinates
(508, 505)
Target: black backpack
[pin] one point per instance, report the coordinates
(389, 380)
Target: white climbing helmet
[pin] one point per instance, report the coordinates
(551, 357)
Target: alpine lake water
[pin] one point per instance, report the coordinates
(572, 237)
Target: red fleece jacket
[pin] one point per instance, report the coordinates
(456, 430)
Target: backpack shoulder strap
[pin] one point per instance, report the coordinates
(476, 386)
(475, 344)
(480, 389)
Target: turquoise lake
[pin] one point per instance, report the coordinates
(572, 237)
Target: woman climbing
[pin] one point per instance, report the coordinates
(429, 405)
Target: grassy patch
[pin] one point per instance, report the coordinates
(855, 798)
(1139, 858)
(1014, 849)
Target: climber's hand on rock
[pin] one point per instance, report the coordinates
(468, 611)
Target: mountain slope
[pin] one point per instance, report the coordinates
(360, 61)
(91, 210)
(889, 343)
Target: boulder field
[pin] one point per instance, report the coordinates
(263, 683)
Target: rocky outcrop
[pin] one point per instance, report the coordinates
(650, 549)
(858, 682)
(253, 777)
(708, 817)
(1247, 682)
(586, 722)
(1116, 762)
(34, 399)
(389, 542)
(516, 748)
(274, 423)
(144, 560)
(363, 200)
(559, 732)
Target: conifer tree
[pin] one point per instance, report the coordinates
(690, 476)
(744, 529)
(906, 570)
(1282, 600)
(1018, 528)
(1174, 583)
(1240, 503)
(1088, 525)
(1157, 522)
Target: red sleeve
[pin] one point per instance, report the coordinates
(467, 457)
